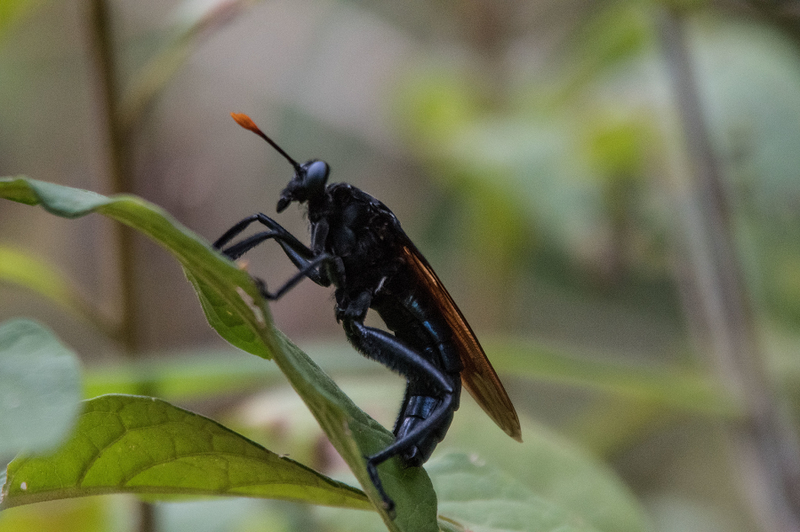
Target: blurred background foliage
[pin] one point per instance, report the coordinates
(534, 150)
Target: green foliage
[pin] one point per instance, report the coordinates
(483, 498)
(234, 307)
(561, 477)
(28, 271)
(25, 270)
(227, 294)
(558, 182)
(685, 390)
(39, 388)
(129, 444)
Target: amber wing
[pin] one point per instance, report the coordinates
(478, 375)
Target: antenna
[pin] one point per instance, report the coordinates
(247, 123)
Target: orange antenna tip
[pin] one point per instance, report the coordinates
(246, 122)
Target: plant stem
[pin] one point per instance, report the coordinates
(763, 441)
(119, 176)
(120, 180)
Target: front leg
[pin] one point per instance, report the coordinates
(309, 264)
(297, 252)
(267, 222)
(310, 270)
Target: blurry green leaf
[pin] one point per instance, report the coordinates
(434, 105)
(484, 499)
(679, 511)
(620, 31)
(236, 310)
(93, 514)
(181, 376)
(446, 525)
(616, 145)
(34, 274)
(686, 390)
(227, 515)
(610, 425)
(40, 388)
(749, 78)
(200, 373)
(537, 166)
(555, 470)
(28, 271)
(130, 444)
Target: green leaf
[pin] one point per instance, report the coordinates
(142, 445)
(236, 310)
(568, 479)
(552, 468)
(37, 275)
(679, 389)
(181, 376)
(25, 270)
(231, 325)
(40, 388)
(90, 514)
(482, 498)
(355, 435)
(227, 515)
(226, 292)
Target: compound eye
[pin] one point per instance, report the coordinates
(316, 175)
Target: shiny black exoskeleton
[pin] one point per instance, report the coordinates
(358, 246)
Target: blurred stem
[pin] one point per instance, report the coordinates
(764, 441)
(154, 76)
(121, 180)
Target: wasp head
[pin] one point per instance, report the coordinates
(307, 184)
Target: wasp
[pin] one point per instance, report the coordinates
(359, 247)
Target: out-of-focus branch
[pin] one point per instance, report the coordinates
(120, 180)
(764, 443)
(155, 75)
(119, 174)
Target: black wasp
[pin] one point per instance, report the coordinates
(357, 245)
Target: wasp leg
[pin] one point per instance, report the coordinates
(310, 271)
(261, 218)
(297, 252)
(301, 256)
(385, 348)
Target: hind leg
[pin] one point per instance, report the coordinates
(385, 348)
